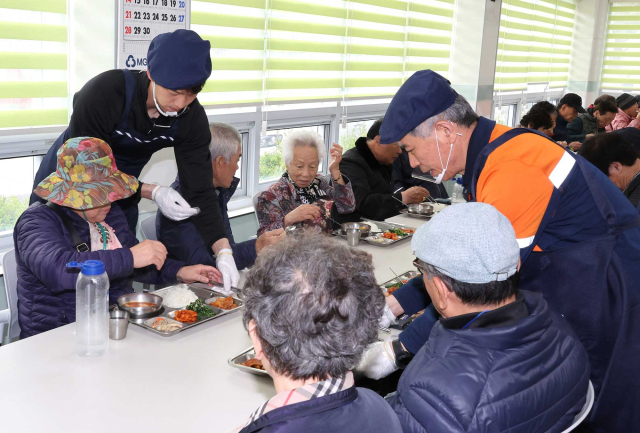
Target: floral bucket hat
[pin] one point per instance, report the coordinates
(86, 176)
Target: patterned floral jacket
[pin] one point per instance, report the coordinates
(280, 198)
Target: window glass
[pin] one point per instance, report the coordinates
(505, 115)
(353, 131)
(16, 180)
(271, 160)
(33, 49)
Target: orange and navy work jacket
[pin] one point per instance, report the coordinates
(518, 179)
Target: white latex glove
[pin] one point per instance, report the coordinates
(227, 267)
(172, 205)
(388, 318)
(378, 360)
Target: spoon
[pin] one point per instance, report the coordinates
(397, 277)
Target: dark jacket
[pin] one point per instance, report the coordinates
(183, 241)
(351, 410)
(372, 183)
(583, 125)
(46, 289)
(632, 135)
(402, 178)
(560, 131)
(530, 375)
(632, 192)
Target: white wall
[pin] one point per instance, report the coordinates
(474, 50)
(587, 49)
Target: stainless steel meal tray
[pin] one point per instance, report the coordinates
(403, 321)
(383, 226)
(201, 293)
(236, 361)
(406, 276)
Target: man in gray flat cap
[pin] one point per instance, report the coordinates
(498, 359)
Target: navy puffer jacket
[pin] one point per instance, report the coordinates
(529, 377)
(46, 289)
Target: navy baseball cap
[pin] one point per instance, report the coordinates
(424, 95)
(179, 60)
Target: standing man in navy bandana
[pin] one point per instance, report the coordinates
(141, 112)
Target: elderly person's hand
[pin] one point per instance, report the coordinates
(305, 212)
(415, 194)
(199, 274)
(334, 163)
(269, 238)
(388, 317)
(574, 145)
(378, 361)
(147, 253)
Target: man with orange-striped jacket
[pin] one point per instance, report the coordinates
(579, 236)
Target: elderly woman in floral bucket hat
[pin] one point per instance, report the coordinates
(82, 221)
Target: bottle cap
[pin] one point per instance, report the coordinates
(459, 181)
(90, 267)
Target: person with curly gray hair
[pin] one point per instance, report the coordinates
(311, 307)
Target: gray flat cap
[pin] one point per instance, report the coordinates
(470, 242)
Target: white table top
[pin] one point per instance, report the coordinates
(146, 382)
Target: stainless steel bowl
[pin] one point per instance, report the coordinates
(420, 208)
(140, 297)
(365, 229)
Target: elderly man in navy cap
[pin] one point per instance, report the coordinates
(498, 359)
(579, 236)
(141, 112)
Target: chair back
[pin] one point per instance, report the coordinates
(591, 395)
(148, 228)
(11, 287)
(255, 205)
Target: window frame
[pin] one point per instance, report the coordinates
(37, 141)
(521, 98)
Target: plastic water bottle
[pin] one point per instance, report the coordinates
(457, 196)
(92, 308)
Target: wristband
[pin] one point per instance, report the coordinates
(224, 251)
(153, 192)
(338, 179)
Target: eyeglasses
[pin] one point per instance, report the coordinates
(419, 265)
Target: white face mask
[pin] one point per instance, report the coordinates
(168, 113)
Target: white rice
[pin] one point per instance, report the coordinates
(374, 228)
(178, 297)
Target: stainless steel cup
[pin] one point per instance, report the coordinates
(353, 237)
(118, 324)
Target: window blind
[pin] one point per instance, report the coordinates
(300, 50)
(534, 43)
(621, 68)
(33, 63)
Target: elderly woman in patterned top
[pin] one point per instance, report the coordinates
(302, 195)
